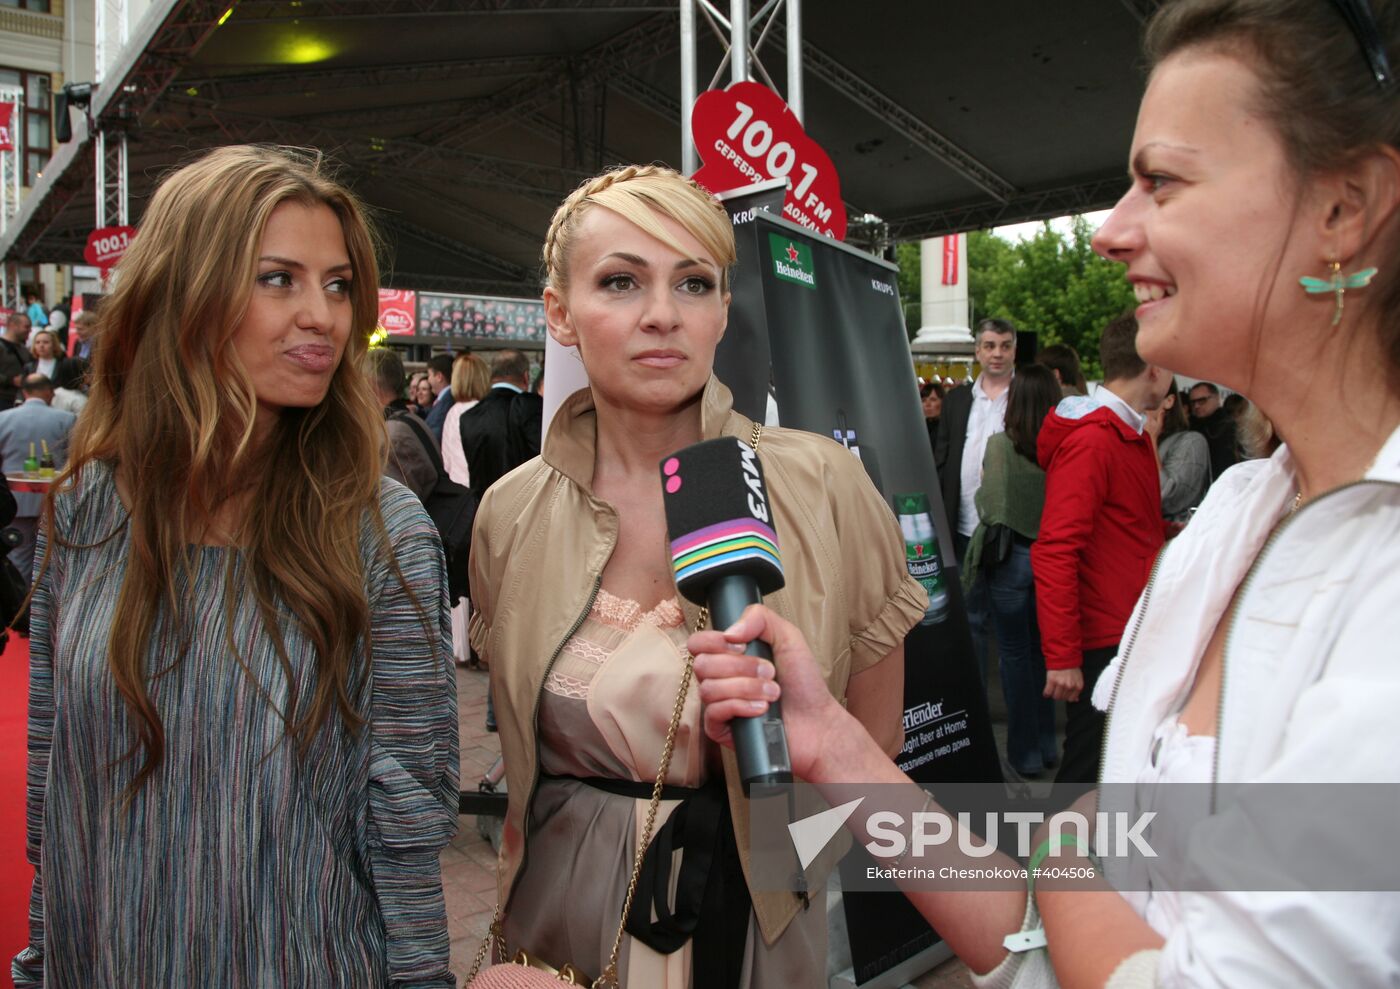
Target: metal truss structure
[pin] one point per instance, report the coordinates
(112, 191)
(1094, 194)
(200, 124)
(903, 121)
(826, 68)
(467, 153)
(131, 87)
(301, 10)
(741, 36)
(510, 275)
(1142, 10)
(643, 43)
(224, 89)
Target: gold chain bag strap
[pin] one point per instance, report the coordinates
(526, 972)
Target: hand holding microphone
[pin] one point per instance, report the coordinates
(734, 684)
(725, 555)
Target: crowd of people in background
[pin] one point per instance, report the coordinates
(43, 385)
(984, 434)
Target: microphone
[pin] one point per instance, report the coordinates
(725, 556)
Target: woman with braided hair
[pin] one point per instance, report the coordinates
(579, 617)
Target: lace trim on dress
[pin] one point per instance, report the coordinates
(628, 615)
(609, 623)
(591, 652)
(567, 686)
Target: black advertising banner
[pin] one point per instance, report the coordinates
(831, 323)
(841, 367)
(742, 359)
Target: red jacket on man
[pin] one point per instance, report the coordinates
(1100, 531)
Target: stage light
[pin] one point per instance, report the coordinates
(304, 49)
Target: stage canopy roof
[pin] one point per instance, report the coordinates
(464, 122)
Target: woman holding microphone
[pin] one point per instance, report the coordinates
(1260, 233)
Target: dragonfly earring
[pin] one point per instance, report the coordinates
(1338, 283)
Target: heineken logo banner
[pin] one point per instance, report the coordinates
(792, 261)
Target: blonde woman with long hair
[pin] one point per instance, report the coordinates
(573, 591)
(243, 728)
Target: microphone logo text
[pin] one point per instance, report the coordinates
(758, 502)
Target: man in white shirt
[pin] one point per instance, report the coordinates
(971, 416)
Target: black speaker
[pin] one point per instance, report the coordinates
(62, 126)
(73, 94)
(1027, 344)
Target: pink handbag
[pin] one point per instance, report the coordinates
(516, 975)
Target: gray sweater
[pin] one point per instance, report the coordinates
(1185, 473)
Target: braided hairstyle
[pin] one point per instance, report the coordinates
(642, 194)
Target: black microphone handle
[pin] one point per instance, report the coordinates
(760, 743)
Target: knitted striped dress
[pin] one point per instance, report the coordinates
(239, 862)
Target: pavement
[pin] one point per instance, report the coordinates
(469, 863)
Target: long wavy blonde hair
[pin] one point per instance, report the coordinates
(172, 409)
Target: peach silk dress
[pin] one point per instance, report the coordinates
(604, 712)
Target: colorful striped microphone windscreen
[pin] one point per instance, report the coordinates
(718, 517)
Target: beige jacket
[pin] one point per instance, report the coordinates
(542, 540)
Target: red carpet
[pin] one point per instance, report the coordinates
(15, 873)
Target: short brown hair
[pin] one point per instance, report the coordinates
(509, 364)
(1118, 350)
(384, 367)
(1062, 357)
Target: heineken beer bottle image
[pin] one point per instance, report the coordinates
(921, 552)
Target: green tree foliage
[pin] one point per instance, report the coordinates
(1050, 283)
(910, 284)
(988, 257)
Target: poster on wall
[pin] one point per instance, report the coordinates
(398, 311)
(481, 319)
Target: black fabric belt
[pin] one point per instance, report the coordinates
(712, 903)
(627, 788)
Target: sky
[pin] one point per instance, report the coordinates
(1022, 231)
